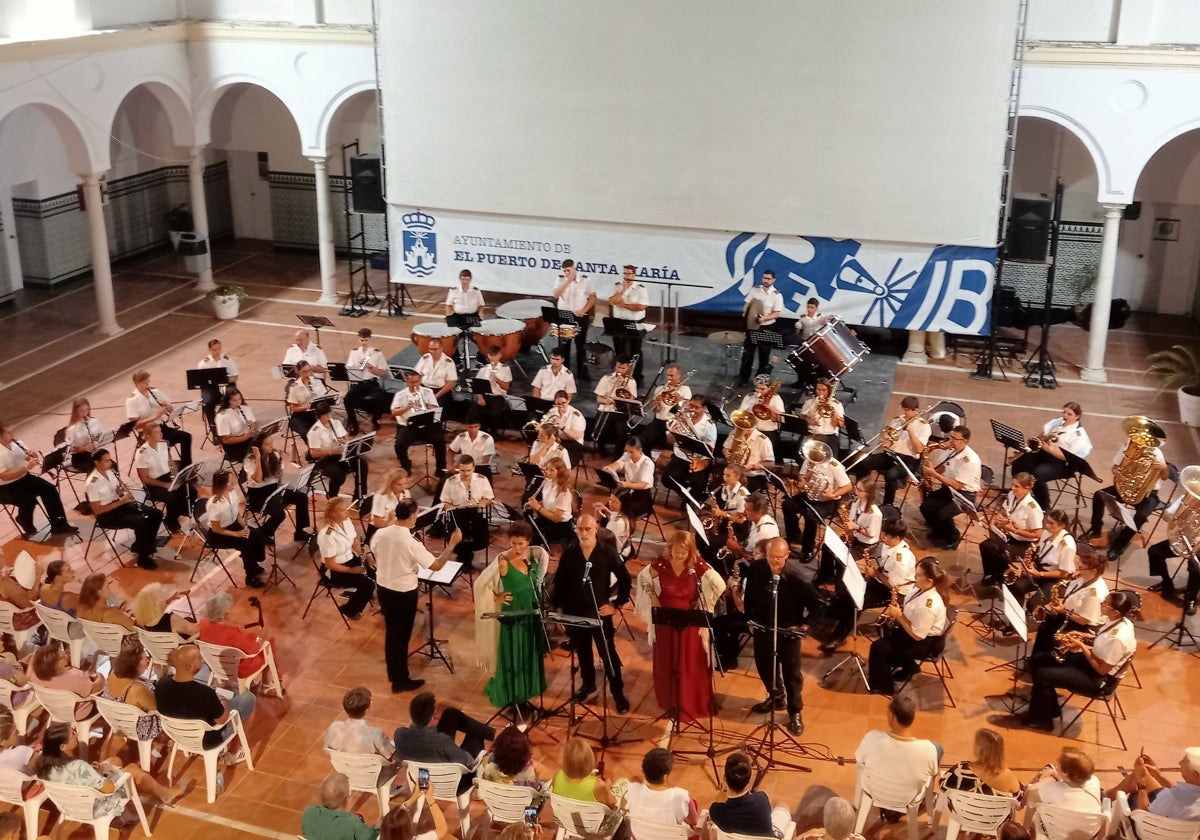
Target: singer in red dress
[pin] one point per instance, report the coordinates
(682, 665)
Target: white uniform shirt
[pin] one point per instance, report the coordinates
(1055, 553)
(398, 555)
(635, 294)
(575, 295)
(501, 373)
(555, 500)
(13, 458)
(436, 373)
(415, 403)
(869, 518)
(384, 503)
(266, 480)
(140, 406)
(156, 460)
(775, 404)
(464, 303)
(607, 387)
(232, 421)
(899, 566)
(926, 611)
(1158, 456)
(208, 363)
(732, 499)
(103, 488)
(482, 448)
(903, 445)
(569, 421)
(766, 528)
(1025, 514)
(809, 324)
(550, 383)
(1084, 599)
(363, 359)
(556, 450)
(337, 541)
(313, 354)
(640, 473)
(772, 303)
(1115, 642)
(665, 413)
(830, 475)
(82, 433)
(324, 437)
(300, 394)
(761, 450)
(456, 493)
(222, 511)
(706, 432)
(964, 467)
(822, 425)
(1073, 438)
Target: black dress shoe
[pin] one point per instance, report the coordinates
(64, 527)
(768, 705)
(1164, 586)
(407, 685)
(147, 563)
(622, 704)
(951, 545)
(795, 724)
(1114, 552)
(1189, 608)
(830, 647)
(1037, 723)
(257, 582)
(583, 693)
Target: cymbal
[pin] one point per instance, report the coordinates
(727, 337)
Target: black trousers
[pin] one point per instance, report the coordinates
(337, 471)
(1074, 674)
(784, 681)
(1141, 512)
(252, 545)
(25, 493)
(696, 483)
(1044, 642)
(1044, 468)
(399, 612)
(630, 343)
(364, 588)
(895, 649)
(1159, 554)
(609, 431)
(653, 434)
(887, 465)
(368, 397)
(939, 509)
(180, 438)
(175, 502)
(582, 640)
(635, 503)
(453, 721)
(748, 351)
(580, 342)
(301, 422)
(842, 606)
(813, 513)
(276, 509)
(407, 437)
(495, 414)
(143, 520)
(996, 554)
(547, 531)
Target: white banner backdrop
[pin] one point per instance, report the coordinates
(944, 288)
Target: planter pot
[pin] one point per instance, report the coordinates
(1189, 405)
(226, 307)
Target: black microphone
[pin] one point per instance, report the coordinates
(587, 571)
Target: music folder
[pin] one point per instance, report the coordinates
(607, 478)
(482, 387)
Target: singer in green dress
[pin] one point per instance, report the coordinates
(520, 669)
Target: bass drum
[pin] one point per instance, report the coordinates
(831, 352)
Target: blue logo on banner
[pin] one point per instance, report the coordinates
(419, 243)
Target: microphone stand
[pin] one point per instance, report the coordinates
(710, 751)
(605, 740)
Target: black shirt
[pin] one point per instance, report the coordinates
(572, 596)
(190, 700)
(749, 813)
(797, 597)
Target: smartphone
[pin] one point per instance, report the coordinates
(531, 816)
(423, 778)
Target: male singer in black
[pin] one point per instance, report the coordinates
(796, 601)
(599, 563)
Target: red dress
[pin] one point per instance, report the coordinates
(691, 676)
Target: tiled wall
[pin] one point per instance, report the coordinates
(294, 213)
(53, 233)
(1078, 253)
(6, 286)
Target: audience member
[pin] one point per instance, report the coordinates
(511, 759)
(896, 752)
(578, 779)
(126, 683)
(330, 820)
(354, 734)
(1149, 790)
(52, 668)
(150, 613)
(14, 756)
(423, 742)
(19, 587)
(837, 821)
(94, 598)
(181, 696)
(655, 799)
(218, 628)
(987, 773)
(746, 811)
(53, 592)
(398, 823)
(1071, 785)
(11, 825)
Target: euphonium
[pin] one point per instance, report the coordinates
(761, 409)
(739, 447)
(1139, 470)
(815, 452)
(825, 407)
(1056, 601)
(1184, 530)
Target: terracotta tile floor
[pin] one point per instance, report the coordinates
(48, 355)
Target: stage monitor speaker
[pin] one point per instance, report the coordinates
(366, 178)
(1132, 211)
(1029, 229)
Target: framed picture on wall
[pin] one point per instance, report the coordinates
(1167, 229)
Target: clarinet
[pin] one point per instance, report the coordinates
(249, 424)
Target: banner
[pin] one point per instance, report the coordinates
(942, 288)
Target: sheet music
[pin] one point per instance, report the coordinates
(443, 576)
(852, 577)
(186, 408)
(694, 518)
(1014, 612)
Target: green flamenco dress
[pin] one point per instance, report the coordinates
(520, 670)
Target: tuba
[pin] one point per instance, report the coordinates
(753, 310)
(743, 426)
(1139, 469)
(761, 409)
(815, 452)
(1184, 530)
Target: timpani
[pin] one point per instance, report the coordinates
(422, 334)
(505, 333)
(528, 310)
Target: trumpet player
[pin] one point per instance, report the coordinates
(1020, 521)
(1078, 665)
(665, 402)
(903, 439)
(235, 426)
(619, 383)
(629, 301)
(762, 309)
(822, 484)
(958, 469)
(554, 377)
(367, 394)
(1046, 458)
(499, 376)
(824, 414)
(567, 418)
(114, 507)
(920, 618)
(299, 394)
(1075, 604)
(152, 461)
(22, 489)
(416, 399)
(689, 469)
(1120, 536)
(575, 294)
(1053, 562)
(636, 479)
(438, 372)
(149, 405)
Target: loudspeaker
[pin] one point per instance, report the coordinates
(1029, 229)
(1132, 211)
(366, 179)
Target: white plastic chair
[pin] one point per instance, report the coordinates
(159, 646)
(647, 830)
(60, 705)
(123, 718)
(25, 710)
(8, 612)
(976, 812)
(11, 784)
(1142, 825)
(106, 637)
(895, 794)
(577, 819)
(444, 777)
(506, 804)
(362, 769)
(223, 662)
(187, 737)
(76, 803)
(62, 628)
(788, 833)
(1053, 822)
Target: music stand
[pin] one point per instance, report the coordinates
(463, 322)
(856, 587)
(629, 409)
(607, 479)
(277, 574)
(353, 451)
(538, 406)
(576, 710)
(1009, 438)
(763, 337)
(1124, 516)
(316, 322)
(338, 372)
(186, 480)
(444, 578)
(270, 429)
(206, 379)
(423, 423)
(559, 318)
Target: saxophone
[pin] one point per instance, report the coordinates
(885, 621)
(1061, 638)
(1041, 611)
(739, 446)
(1012, 574)
(1139, 470)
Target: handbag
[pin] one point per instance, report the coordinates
(148, 727)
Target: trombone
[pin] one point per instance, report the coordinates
(871, 446)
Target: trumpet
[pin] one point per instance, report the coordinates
(825, 408)
(1062, 640)
(1055, 605)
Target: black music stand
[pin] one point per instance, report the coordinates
(316, 322)
(559, 318)
(1009, 438)
(203, 379)
(338, 372)
(443, 578)
(577, 711)
(422, 423)
(771, 727)
(277, 575)
(463, 322)
(353, 451)
(764, 337)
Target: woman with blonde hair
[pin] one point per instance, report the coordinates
(83, 433)
(552, 506)
(986, 773)
(150, 612)
(383, 503)
(342, 554)
(577, 779)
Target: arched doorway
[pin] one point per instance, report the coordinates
(354, 119)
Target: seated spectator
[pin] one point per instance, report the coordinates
(897, 753)
(53, 592)
(13, 755)
(180, 696)
(655, 799)
(150, 613)
(16, 673)
(126, 683)
(217, 627)
(330, 820)
(1072, 785)
(511, 760)
(19, 587)
(398, 824)
(987, 773)
(354, 734)
(1150, 790)
(747, 811)
(577, 779)
(95, 597)
(52, 668)
(837, 821)
(423, 742)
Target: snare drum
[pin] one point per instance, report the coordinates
(528, 310)
(565, 332)
(422, 334)
(501, 332)
(832, 351)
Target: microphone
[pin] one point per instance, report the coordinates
(774, 584)
(587, 571)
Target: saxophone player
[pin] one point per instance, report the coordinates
(416, 399)
(920, 618)
(664, 403)
(1077, 605)
(1053, 561)
(688, 469)
(911, 435)
(763, 307)
(1020, 521)
(1048, 462)
(823, 483)
(763, 528)
(959, 469)
(1120, 537)
(619, 383)
(727, 506)
(824, 414)
(499, 375)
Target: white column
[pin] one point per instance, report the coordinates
(1093, 371)
(196, 197)
(937, 344)
(101, 268)
(916, 348)
(325, 250)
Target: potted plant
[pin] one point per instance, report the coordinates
(179, 221)
(227, 300)
(1178, 369)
